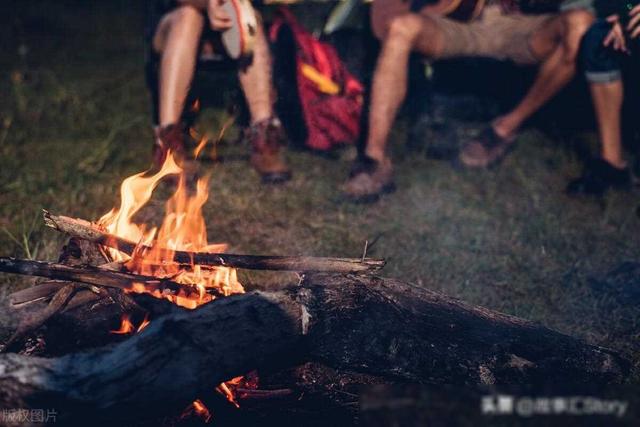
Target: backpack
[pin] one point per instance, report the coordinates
(326, 94)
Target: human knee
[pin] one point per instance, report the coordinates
(406, 27)
(187, 16)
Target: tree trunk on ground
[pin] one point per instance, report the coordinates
(379, 327)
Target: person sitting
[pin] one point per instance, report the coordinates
(177, 39)
(502, 32)
(603, 49)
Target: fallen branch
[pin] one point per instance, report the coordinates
(360, 324)
(85, 230)
(93, 276)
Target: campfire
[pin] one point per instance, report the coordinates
(172, 261)
(183, 229)
(156, 308)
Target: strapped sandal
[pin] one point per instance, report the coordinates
(487, 150)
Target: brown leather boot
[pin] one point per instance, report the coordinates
(168, 138)
(267, 140)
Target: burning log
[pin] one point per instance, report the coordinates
(93, 276)
(86, 230)
(374, 326)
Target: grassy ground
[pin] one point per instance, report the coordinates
(74, 121)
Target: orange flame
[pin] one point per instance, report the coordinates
(183, 228)
(203, 142)
(144, 324)
(126, 327)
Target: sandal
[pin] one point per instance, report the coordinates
(487, 150)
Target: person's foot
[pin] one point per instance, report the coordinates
(598, 177)
(368, 180)
(487, 150)
(168, 138)
(267, 140)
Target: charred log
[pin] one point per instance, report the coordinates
(381, 328)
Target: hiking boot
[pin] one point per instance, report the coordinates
(598, 177)
(267, 150)
(485, 151)
(168, 138)
(368, 180)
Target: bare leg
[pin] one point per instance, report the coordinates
(255, 80)
(607, 101)
(406, 33)
(558, 42)
(177, 40)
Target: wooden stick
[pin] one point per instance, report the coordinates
(92, 276)
(36, 293)
(87, 231)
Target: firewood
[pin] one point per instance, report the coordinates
(86, 230)
(370, 325)
(93, 276)
(35, 293)
(59, 300)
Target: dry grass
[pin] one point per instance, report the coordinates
(76, 122)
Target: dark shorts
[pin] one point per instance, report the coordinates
(601, 64)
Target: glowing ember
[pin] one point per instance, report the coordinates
(201, 410)
(224, 389)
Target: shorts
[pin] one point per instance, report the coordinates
(601, 64)
(493, 34)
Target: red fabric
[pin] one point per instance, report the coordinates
(331, 119)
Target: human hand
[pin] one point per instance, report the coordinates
(616, 38)
(633, 27)
(218, 19)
